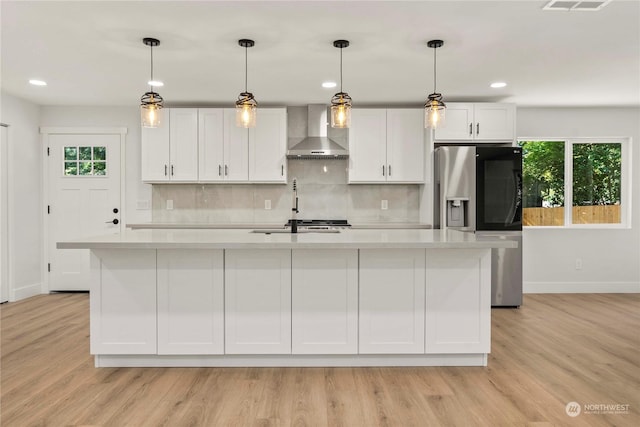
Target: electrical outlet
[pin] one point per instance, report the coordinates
(267, 204)
(169, 205)
(578, 263)
(384, 205)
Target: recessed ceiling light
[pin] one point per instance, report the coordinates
(329, 84)
(498, 84)
(155, 83)
(37, 82)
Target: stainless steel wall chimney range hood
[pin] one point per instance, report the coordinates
(317, 145)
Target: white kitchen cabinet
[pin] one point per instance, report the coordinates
(392, 301)
(386, 146)
(458, 301)
(170, 152)
(258, 301)
(190, 301)
(211, 151)
(236, 149)
(268, 146)
(123, 301)
(324, 301)
(478, 122)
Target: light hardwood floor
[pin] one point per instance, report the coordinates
(554, 350)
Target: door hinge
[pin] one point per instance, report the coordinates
(49, 267)
(49, 209)
(48, 151)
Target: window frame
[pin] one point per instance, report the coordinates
(625, 181)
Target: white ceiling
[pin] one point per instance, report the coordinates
(91, 53)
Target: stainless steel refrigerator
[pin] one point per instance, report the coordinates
(478, 189)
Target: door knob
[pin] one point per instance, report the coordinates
(115, 221)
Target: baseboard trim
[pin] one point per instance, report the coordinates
(25, 292)
(581, 287)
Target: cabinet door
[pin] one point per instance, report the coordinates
(258, 301)
(184, 144)
(494, 121)
(210, 144)
(123, 301)
(190, 302)
(268, 146)
(324, 301)
(155, 151)
(405, 145)
(236, 149)
(458, 301)
(459, 123)
(368, 146)
(392, 301)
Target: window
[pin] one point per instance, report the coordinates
(590, 174)
(85, 161)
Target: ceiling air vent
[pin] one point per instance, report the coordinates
(584, 5)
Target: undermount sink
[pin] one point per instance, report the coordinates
(288, 231)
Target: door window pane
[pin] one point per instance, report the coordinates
(543, 182)
(597, 183)
(99, 168)
(70, 168)
(70, 153)
(85, 168)
(85, 153)
(99, 153)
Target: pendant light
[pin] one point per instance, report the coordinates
(151, 102)
(341, 101)
(246, 105)
(434, 108)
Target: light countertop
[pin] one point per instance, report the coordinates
(200, 225)
(245, 239)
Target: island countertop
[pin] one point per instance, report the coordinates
(247, 239)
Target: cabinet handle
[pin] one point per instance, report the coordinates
(171, 170)
(226, 170)
(281, 170)
(389, 169)
(383, 170)
(165, 170)
(219, 170)
(470, 129)
(477, 129)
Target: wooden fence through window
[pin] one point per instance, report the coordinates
(599, 214)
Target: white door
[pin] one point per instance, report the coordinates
(210, 144)
(368, 145)
(236, 149)
(4, 228)
(84, 200)
(268, 146)
(183, 145)
(155, 152)
(405, 145)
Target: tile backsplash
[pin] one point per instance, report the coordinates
(323, 193)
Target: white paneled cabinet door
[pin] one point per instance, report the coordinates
(268, 146)
(123, 301)
(324, 301)
(184, 145)
(458, 301)
(236, 149)
(155, 151)
(210, 144)
(494, 121)
(392, 303)
(258, 301)
(368, 145)
(190, 302)
(405, 145)
(459, 123)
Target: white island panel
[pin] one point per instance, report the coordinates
(190, 301)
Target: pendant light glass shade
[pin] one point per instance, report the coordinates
(246, 105)
(434, 108)
(341, 101)
(151, 103)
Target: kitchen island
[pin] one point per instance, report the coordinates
(233, 297)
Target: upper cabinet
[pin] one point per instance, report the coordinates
(205, 145)
(170, 152)
(386, 146)
(478, 122)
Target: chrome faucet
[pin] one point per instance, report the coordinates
(294, 208)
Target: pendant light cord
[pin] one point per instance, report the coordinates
(340, 69)
(434, 69)
(151, 86)
(246, 68)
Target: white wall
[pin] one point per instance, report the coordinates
(25, 196)
(128, 117)
(611, 257)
